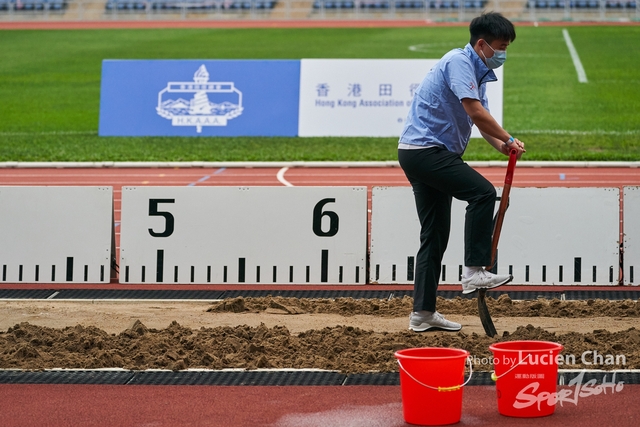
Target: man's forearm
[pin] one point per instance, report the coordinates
(484, 120)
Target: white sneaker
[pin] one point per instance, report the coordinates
(419, 322)
(483, 279)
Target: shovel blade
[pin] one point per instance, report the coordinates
(485, 316)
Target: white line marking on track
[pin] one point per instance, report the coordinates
(578, 132)
(582, 76)
(280, 176)
(53, 295)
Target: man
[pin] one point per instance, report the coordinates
(450, 99)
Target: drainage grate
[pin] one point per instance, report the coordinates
(516, 295)
(481, 378)
(237, 378)
(393, 378)
(374, 378)
(185, 294)
(65, 377)
(141, 294)
(308, 294)
(26, 293)
(610, 295)
(266, 378)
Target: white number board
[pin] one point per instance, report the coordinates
(252, 235)
(56, 234)
(631, 235)
(562, 236)
(549, 236)
(395, 237)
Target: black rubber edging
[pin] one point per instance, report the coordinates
(356, 294)
(140, 294)
(265, 378)
(178, 294)
(101, 377)
(26, 293)
(237, 378)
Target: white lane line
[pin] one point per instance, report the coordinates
(582, 76)
(578, 132)
(280, 176)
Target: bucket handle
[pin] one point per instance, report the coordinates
(495, 377)
(450, 388)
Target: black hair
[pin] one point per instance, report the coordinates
(491, 26)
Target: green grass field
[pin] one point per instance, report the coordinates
(50, 91)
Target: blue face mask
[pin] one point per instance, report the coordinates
(498, 58)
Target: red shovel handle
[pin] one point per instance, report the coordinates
(504, 203)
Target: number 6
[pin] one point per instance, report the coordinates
(317, 219)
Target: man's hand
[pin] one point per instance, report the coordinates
(515, 145)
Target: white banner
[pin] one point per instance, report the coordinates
(367, 97)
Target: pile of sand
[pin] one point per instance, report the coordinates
(343, 334)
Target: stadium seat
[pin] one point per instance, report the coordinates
(57, 4)
(255, 4)
(375, 4)
(470, 4)
(125, 5)
(193, 4)
(33, 5)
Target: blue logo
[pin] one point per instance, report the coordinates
(199, 98)
(200, 110)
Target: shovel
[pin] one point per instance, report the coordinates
(483, 311)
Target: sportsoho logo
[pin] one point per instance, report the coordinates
(530, 395)
(198, 109)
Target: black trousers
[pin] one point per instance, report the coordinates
(436, 176)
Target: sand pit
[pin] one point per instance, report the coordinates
(344, 334)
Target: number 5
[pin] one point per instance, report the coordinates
(169, 220)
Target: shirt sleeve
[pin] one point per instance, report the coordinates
(461, 78)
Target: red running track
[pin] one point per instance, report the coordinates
(299, 406)
(277, 406)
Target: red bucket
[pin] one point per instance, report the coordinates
(526, 375)
(431, 381)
